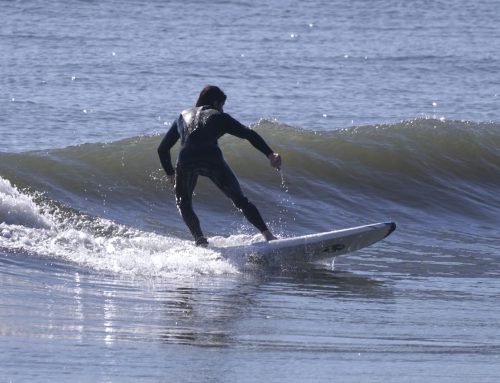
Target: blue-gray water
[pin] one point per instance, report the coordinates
(384, 110)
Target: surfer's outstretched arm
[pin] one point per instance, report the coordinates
(235, 128)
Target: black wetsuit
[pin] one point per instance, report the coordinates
(199, 129)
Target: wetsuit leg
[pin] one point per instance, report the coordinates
(185, 182)
(227, 182)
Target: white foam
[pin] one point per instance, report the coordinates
(19, 209)
(137, 253)
(128, 251)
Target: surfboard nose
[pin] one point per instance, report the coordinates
(392, 227)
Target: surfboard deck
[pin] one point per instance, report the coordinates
(316, 247)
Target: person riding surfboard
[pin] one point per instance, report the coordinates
(199, 129)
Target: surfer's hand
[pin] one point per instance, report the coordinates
(171, 179)
(275, 160)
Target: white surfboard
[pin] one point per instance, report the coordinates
(315, 247)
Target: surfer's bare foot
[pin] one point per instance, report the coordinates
(268, 236)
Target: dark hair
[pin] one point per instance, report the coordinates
(209, 95)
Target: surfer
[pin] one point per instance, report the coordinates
(198, 129)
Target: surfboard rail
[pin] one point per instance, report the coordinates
(316, 247)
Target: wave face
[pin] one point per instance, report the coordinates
(421, 173)
(426, 165)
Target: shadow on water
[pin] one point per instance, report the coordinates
(316, 281)
(207, 314)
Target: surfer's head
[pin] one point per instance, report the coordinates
(211, 95)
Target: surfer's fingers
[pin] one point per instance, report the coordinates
(275, 159)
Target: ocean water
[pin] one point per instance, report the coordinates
(382, 111)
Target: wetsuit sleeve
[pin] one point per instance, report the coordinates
(235, 128)
(166, 144)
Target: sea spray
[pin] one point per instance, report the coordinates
(286, 205)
